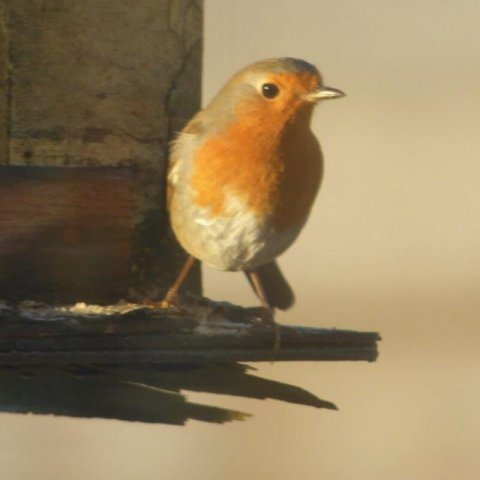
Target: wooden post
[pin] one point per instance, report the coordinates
(91, 92)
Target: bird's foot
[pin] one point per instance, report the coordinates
(262, 315)
(268, 316)
(170, 300)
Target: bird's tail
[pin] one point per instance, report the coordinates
(276, 288)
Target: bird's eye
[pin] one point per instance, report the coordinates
(270, 90)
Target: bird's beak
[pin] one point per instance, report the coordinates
(324, 93)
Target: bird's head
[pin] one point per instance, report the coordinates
(278, 87)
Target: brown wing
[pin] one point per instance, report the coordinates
(192, 129)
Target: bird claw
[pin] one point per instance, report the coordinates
(267, 315)
(170, 300)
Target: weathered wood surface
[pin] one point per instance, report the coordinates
(93, 84)
(98, 82)
(203, 332)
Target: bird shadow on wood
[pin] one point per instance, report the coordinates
(148, 393)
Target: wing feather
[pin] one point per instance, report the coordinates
(181, 150)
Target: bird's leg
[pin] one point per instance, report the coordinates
(268, 310)
(171, 298)
(259, 290)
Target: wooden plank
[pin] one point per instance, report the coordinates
(201, 332)
(71, 234)
(65, 233)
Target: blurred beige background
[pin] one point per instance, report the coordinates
(392, 245)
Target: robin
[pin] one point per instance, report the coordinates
(244, 173)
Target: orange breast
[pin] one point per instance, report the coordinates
(274, 169)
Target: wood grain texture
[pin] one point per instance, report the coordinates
(202, 331)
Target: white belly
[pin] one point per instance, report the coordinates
(237, 240)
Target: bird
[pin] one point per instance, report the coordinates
(243, 175)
